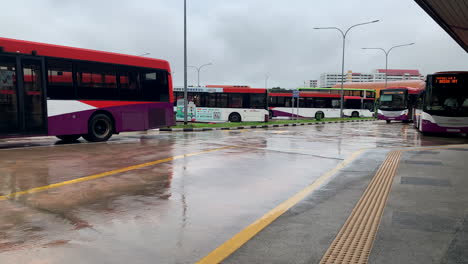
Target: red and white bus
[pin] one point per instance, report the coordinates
(319, 105)
(71, 92)
(222, 103)
(398, 103)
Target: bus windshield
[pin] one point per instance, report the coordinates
(393, 101)
(448, 99)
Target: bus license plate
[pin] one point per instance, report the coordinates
(453, 130)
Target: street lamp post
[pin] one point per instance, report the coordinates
(185, 64)
(198, 70)
(267, 76)
(386, 57)
(344, 34)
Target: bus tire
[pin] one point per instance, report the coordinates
(319, 115)
(388, 121)
(355, 114)
(235, 118)
(100, 128)
(69, 138)
(270, 114)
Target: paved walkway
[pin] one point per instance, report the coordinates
(424, 220)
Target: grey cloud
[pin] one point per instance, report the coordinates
(243, 39)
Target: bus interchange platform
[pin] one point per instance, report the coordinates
(333, 193)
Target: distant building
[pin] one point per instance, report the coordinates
(311, 84)
(331, 79)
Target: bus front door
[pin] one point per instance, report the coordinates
(34, 112)
(22, 101)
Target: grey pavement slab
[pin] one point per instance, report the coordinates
(425, 220)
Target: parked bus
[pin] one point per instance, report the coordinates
(319, 105)
(222, 104)
(397, 103)
(377, 86)
(362, 92)
(70, 92)
(443, 106)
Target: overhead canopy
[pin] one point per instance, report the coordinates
(451, 15)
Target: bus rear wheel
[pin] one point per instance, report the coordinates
(388, 121)
(319, 115)
(355, 114)
(235, 118)
(100, 128)
(69, 138)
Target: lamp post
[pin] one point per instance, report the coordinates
(344, 34)
(386, 57)
(198, 70)
(267, 76)
(185, 63)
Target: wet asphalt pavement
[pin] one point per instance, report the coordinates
(176, 211)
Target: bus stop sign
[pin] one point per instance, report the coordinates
(295, 94)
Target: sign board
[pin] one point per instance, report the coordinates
(198, 114)
(199, 89)
(295, 94)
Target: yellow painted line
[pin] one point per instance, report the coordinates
(105, 174)
(231, 245)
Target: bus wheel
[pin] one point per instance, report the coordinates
(388, 121)
(68, 138)
(319, 115)
(235, 118)
(270, 114)
(355, 114)
(100, 128)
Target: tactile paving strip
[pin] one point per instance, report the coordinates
(354, 242)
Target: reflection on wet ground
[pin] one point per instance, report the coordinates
(176, 211)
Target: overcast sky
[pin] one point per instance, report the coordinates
(244, 39)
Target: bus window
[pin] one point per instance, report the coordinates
(211, 100)
(235, 101)
(130, 85)
(222, 100)
(335, 103)
(280, 101)
(96, 81)
(154, 85)
(309, 102)
(320, 103)
(257, 101)
(60, 80)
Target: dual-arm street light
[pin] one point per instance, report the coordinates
(386, 57)
(344, 34)
(198, 70)
(185, 64)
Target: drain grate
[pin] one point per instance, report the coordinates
(458, 149)
(424, 162)
(425, 181)
(353, 243)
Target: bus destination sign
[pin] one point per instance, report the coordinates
(446, 79)
(392, 92)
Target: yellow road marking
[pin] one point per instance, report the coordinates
(231, 245)
(105, 174)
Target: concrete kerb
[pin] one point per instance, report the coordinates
(259, 126)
